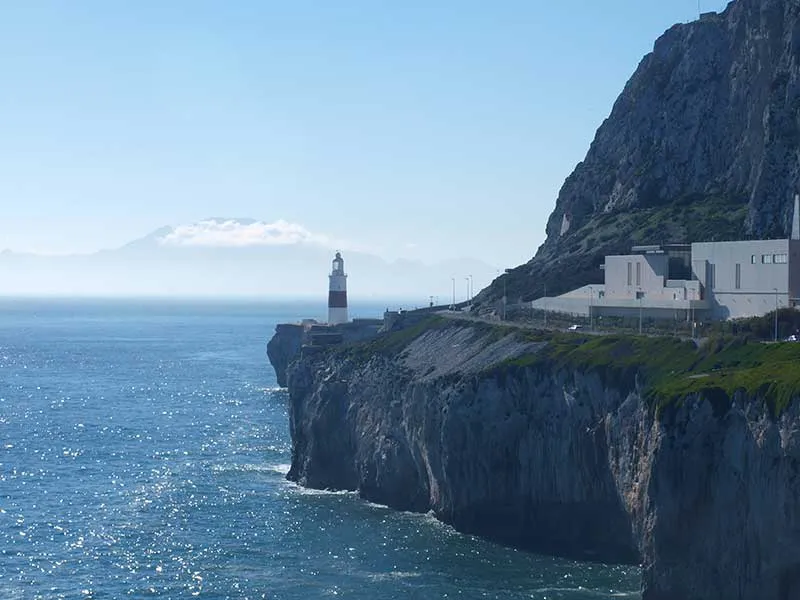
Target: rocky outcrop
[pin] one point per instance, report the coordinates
(284, 347)
(701, 145)
(496, 434)
(289, 339)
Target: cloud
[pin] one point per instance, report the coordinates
(236, 234)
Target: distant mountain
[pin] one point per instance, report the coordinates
(234, 257)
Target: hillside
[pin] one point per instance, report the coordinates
(702, 144)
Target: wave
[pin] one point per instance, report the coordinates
(281, 469)
(586, 592)
(392, 575)
(304, 491)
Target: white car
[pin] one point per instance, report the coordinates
(574, 327)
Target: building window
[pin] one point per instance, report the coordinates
(638, 273)
(752, 259)
(738, 276)
(639, 295)
(601, 294)
(780, 259)
(766, 259)
(630, 274)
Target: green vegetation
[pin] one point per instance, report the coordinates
(692, 218)
(671, 369)
(689, 218)
(391, 344)
(760, 328)
(768, 371)
(668, 368)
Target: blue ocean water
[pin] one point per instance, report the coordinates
(143, 452)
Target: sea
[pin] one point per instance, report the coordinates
(144, 446)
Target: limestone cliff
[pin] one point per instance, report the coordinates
(613, 449)
(289, 339)
(701, 145)
(284, 347)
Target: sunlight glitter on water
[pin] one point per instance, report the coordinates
(134, 465)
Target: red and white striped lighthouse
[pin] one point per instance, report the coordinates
(337, 292)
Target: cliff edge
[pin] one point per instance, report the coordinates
(609, 448)
(284, 347)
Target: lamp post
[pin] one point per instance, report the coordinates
(505, 292)
(775, 338)
(591, 298)
(468, 296)
(545, 306)
(471, 290)
(453, 305)
(639, 293)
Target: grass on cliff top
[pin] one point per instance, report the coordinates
(768, 371)
(393, 343)
(668, 368)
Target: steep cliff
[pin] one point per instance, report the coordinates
(609, 448)
(701, 145)
(286, 344)
(284, 347)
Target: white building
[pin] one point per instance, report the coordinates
(749, 278)
(704, 280)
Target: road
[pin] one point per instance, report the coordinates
(465, 316)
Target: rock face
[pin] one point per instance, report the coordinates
(284, 347)
(557, 459)
(701, 145)
(290, 338)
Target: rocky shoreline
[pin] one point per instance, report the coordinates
(526, 441)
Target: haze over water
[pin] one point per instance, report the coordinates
(143, 452)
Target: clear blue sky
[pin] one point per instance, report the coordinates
(416, 128)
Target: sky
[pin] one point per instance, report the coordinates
(414, 129)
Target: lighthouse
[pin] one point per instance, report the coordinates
(337, 292)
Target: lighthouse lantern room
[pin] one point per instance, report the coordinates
(337, 292)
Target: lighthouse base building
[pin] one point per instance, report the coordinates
(337, 292)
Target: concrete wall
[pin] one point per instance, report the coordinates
(730, 280)
(584, 293)
(648, 274)
(752, 292)
(576, 305)
(794, 271)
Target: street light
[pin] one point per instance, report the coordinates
(505, 291)
(776, 314)
(591, 297)
(545, 306)
(639, 293)
(468, 296)
(453, 305)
